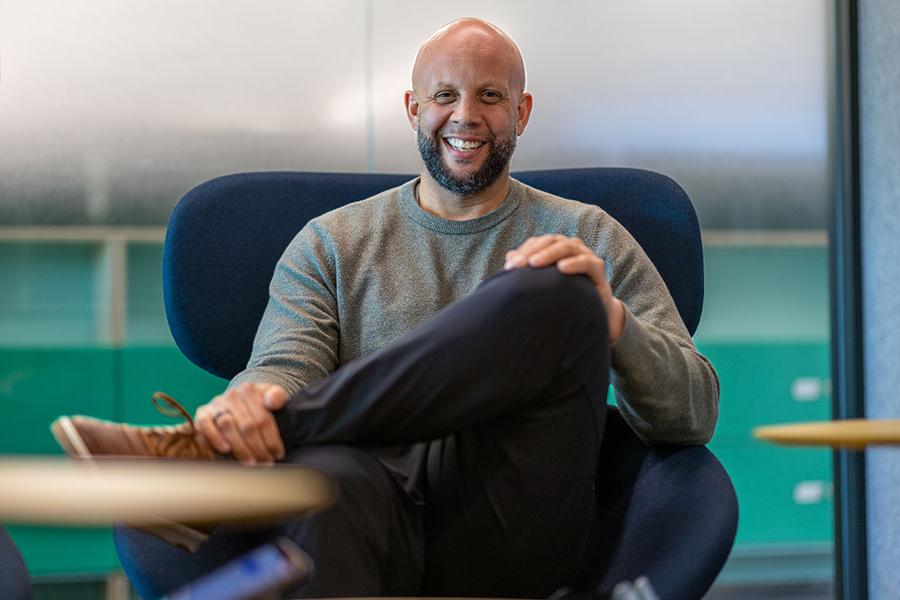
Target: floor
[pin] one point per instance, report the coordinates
(818, 591)
(799, 591)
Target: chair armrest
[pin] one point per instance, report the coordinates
(13, 576)
(669, 513)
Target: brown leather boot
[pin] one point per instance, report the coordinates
(86, 437)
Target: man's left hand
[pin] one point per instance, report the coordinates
(571, 256)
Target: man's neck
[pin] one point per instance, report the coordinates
(437, 200)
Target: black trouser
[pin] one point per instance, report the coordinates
(466, 451)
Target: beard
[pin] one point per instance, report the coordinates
(500, 153)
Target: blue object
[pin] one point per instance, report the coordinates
(14, 582)
(669, 513)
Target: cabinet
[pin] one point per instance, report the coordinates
(85, 332)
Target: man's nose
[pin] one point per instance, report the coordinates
(467, 111)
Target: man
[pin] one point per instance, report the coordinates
(444, 350)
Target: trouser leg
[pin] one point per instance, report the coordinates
(369, 543)
(510, 502)
(497, 350)
(509, 386)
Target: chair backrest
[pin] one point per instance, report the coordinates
(226, 235)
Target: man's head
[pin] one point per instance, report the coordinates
(468, 104)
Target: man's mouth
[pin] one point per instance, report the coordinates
(462, 145)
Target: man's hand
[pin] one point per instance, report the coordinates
(571, 256)
(240, 422)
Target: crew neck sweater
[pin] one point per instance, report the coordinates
(358, 277)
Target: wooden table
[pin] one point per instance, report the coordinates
(854, 434)
(153, 492)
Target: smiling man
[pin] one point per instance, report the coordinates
(444, 350)
(467, 107)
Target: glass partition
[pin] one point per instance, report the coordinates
(110, 111)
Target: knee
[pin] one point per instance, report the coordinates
(350, 466)
(363, 485)
(545, 291)
(365, 543)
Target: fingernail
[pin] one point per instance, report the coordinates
(250, 462)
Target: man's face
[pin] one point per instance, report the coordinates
(460, 181)
(467, 112)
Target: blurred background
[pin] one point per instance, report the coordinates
(110, 110)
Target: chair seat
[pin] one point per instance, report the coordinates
(672, 516)
(667, 513)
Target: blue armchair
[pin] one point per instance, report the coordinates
(669, 513)
(14, 581)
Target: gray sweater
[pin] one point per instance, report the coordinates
(358, 277)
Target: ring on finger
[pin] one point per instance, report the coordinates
(219, 413)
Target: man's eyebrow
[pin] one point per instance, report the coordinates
(493, 85)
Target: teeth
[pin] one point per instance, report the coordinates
(463, 144)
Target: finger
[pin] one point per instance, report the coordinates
(589, 265)
(557, 251)
(266, 425)
(227, 425)
(204, 423)
(275, 397)
(230, 418)
(519, 257)
(586, 264)
(249, 414)
(535, 244)
(271, 437)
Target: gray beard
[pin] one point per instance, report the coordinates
(500, 153)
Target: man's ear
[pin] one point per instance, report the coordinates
(412, 108)
(523, 110)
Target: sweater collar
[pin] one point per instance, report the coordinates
(407, 199)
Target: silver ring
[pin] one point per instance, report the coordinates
(219, 413)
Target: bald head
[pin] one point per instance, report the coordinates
(470, 37)
(467, 106)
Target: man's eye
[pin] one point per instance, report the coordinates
(444, 97)
(491, 96)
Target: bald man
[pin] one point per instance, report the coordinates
(444, 350)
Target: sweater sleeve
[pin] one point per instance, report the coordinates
(667, 391)
(297, 340)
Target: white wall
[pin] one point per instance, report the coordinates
(111, 109)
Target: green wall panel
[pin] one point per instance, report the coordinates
(38, 385)
(57, 551)
(148, 369)
(785, 494)
(765, 383)
(766, 293)
(49, 295)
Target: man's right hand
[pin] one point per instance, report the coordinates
(240, 422)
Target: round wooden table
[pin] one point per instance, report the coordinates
(854, 434)
(154, 492)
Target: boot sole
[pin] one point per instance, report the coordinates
(178, 534)
(67, 436)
